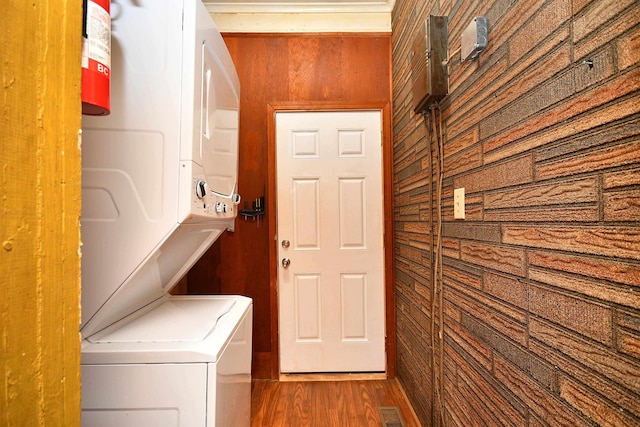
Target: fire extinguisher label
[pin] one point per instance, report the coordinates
(96, 48)
(96, 58)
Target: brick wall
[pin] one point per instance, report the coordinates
(541, 282)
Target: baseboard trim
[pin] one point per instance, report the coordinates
(333, 376)
(261, 365)
(406, 397)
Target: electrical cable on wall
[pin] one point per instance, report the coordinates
(430, 62)
(434, 395)
(436, 135)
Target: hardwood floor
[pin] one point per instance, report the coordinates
(326, 403)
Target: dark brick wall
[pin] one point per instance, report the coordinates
(541, 282)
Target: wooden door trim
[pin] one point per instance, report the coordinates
(271, 210)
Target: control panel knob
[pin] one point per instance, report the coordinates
(221, 207)
(201, 190)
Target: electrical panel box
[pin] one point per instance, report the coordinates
(430, 78)
(475, 38)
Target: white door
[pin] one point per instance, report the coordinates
(330, 241)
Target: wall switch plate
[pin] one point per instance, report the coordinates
(458, 203)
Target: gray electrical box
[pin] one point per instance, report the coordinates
(428, 70)
(475, 38)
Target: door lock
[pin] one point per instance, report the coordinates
(285, 243)
(286, 262)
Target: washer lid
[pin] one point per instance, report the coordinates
(175, 320)
(175, 329)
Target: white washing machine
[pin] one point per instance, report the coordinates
(159, 186)
(185, 362)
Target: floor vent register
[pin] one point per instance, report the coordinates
(391, 416)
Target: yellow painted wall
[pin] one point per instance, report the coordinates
(40, 204)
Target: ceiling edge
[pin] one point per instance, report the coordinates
(335, 6)
(300, 22)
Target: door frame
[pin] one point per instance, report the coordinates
(388, 213)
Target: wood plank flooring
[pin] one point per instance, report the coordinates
(326, 403)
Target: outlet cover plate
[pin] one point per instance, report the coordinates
(458, 203)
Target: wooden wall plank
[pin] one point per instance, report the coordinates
(40, 264)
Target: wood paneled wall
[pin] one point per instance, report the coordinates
(541, 282)
(310, 69)
(40, 221)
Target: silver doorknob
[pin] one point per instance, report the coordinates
(285, 243)
(286, 262)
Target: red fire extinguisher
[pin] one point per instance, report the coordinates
(96, 57)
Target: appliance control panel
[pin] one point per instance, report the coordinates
(206, 202)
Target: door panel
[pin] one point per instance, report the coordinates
(352, 208)
(306, 203)
(353, 289)
(330, 209)
(307, 307)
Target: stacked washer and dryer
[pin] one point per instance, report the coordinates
(159, 186)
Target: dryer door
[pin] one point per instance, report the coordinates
(218, 154)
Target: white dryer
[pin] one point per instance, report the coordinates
(159, 186)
